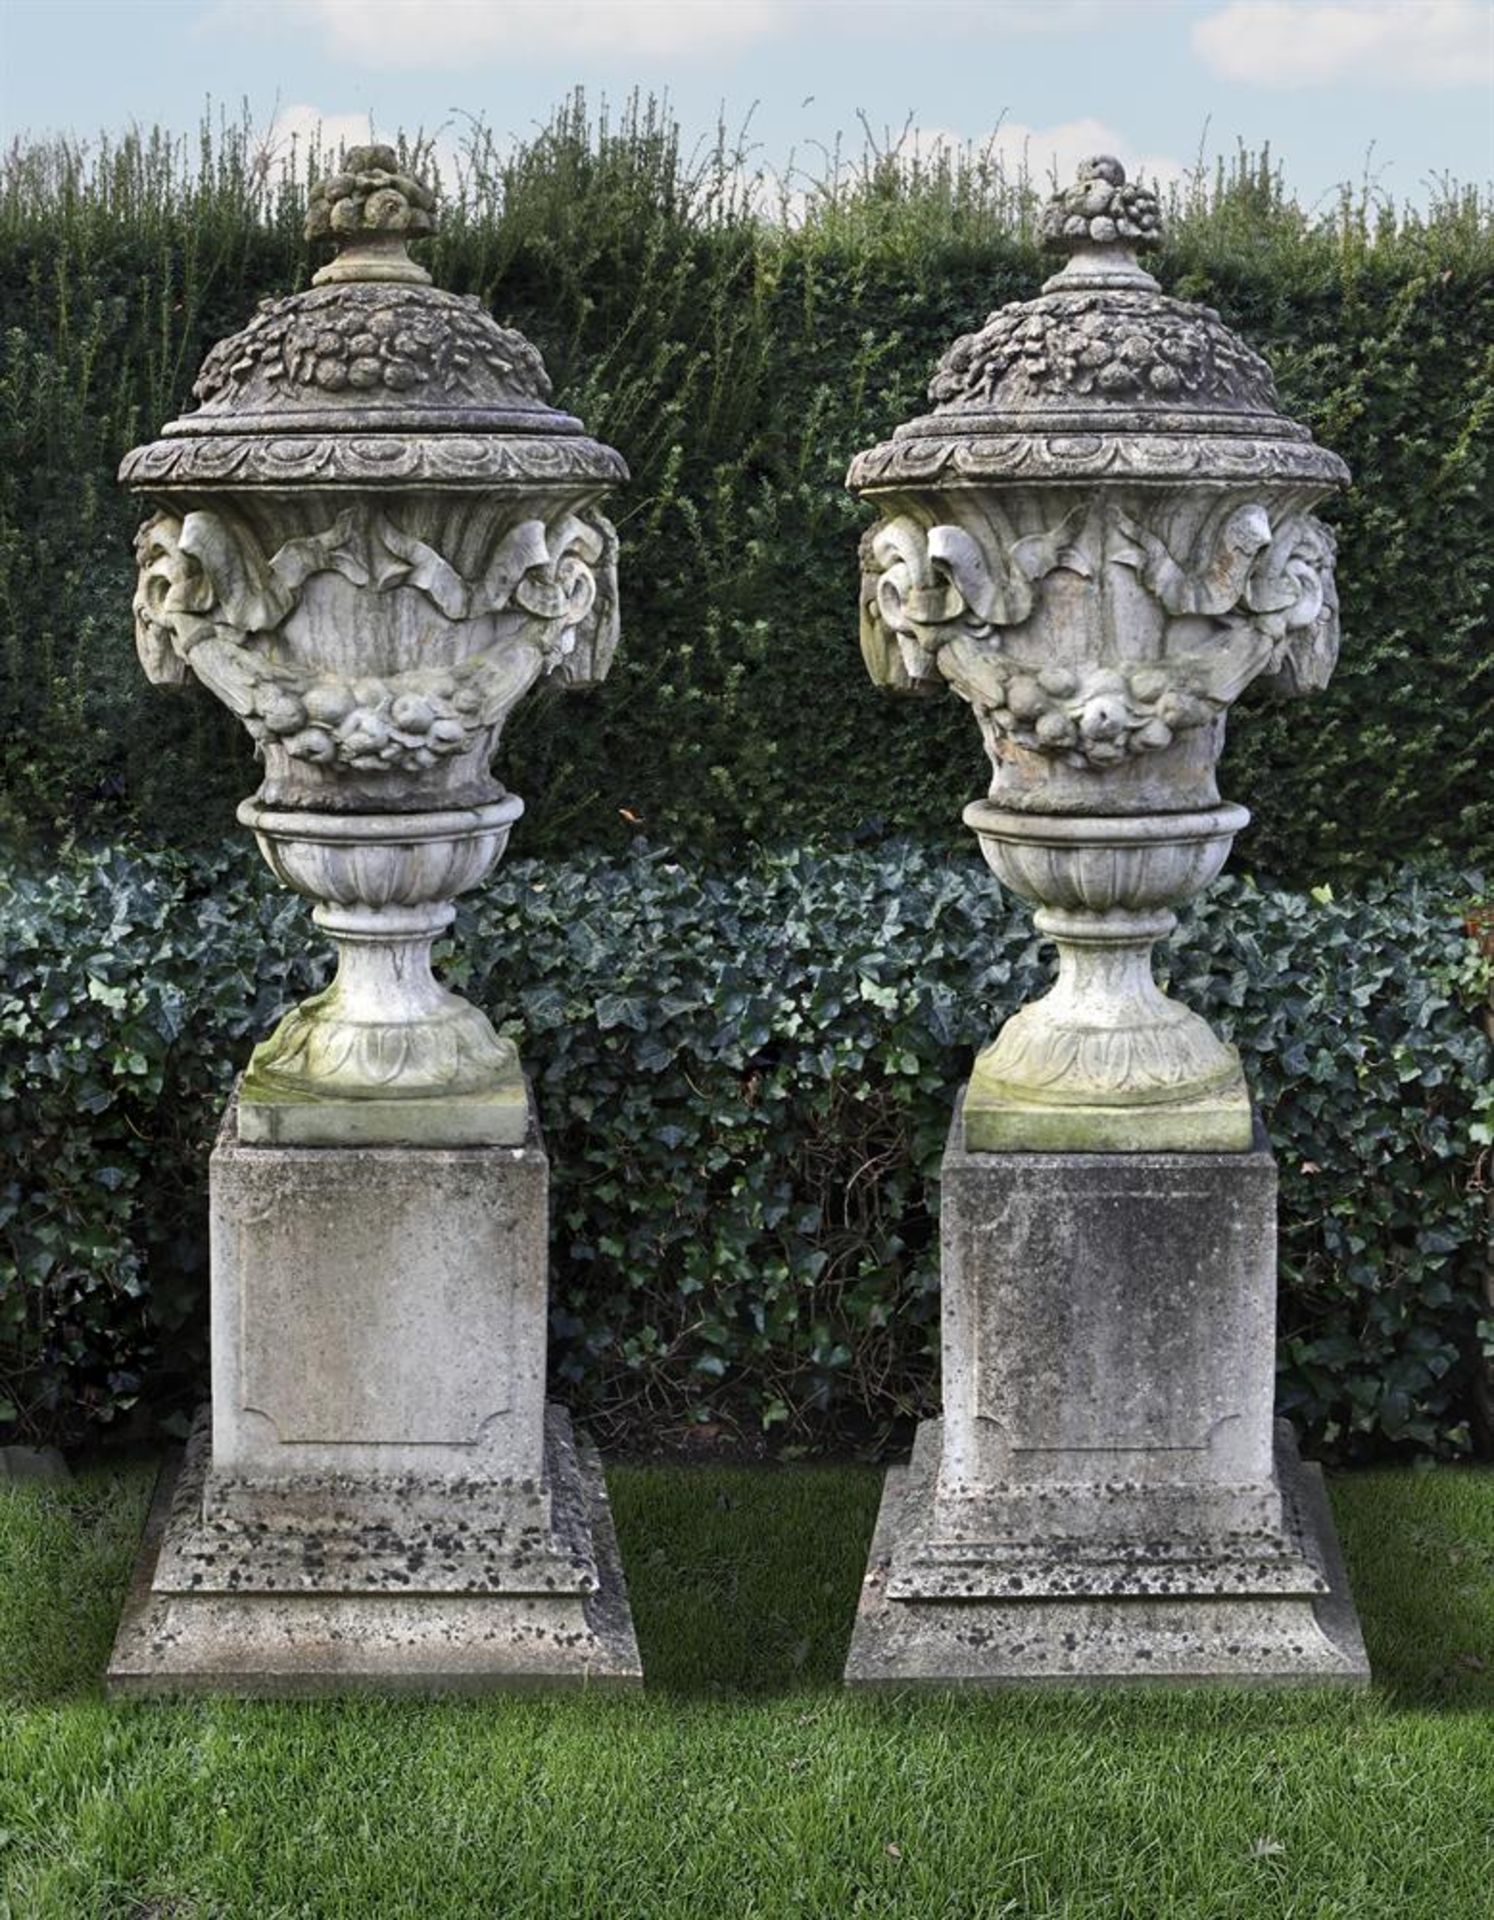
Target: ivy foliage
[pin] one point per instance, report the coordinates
(746, 1078)
(738, 362)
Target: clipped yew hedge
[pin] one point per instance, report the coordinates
(738, 363)
(745, 1077)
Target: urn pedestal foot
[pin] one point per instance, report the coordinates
(998, 1121)
(385, 1055)
(379, 1497)
(498, 1117)
(1105, 1062)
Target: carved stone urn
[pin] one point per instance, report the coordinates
(1101, 534)
(371, 539)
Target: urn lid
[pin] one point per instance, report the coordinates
(1102, 374)
(373, 376)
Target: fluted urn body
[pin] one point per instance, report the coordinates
(370, 540)
(1101, 534)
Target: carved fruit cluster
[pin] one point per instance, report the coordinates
(1100, 209)
(1091, 716)
(370, 196)
(397, 725)
(1115, 345)
(357, 338)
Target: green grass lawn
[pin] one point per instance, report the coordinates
(741, 1783)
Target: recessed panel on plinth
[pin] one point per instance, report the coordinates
(415, 1280)
(380, 1496)
(1107, 1495)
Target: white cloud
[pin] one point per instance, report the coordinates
(309, 127)
(1048, 156)
(455, 33)
(1055, 152)
(1046, 17)
(1300, 43)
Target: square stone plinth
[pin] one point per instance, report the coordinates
(379, 1310)
(1107, 1496)
(1108, 1340)
(379, 1496)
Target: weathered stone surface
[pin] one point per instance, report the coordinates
(1105, 1495)
(498, 1117)
(1232, 1618)
(1108, 1342)
(337, 1587)
(380, 1496)
(1101, 534)
(999, 1121)
(379, 1310)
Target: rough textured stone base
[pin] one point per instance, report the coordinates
(995, 1122)
(1129, 1622)
(340, 1594)
(499, 1118)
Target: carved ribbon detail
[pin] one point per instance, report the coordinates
(207, 600)
(921, 590)
(1243, 598)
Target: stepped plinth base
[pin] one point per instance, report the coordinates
(1016, 1614)
(328, 1585)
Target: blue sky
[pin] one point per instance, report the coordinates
(1403, 87)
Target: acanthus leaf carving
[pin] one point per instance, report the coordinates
(1003, 596)
(231, 578)
(1211, 578)
(934, 586)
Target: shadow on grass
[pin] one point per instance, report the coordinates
(744, 1581)
(65, 1559)
(1420, 1552)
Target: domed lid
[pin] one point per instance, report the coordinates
(1102, 373)
(374, 376)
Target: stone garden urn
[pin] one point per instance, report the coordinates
(1099, 537)
(1101, 534)
(372, 537)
